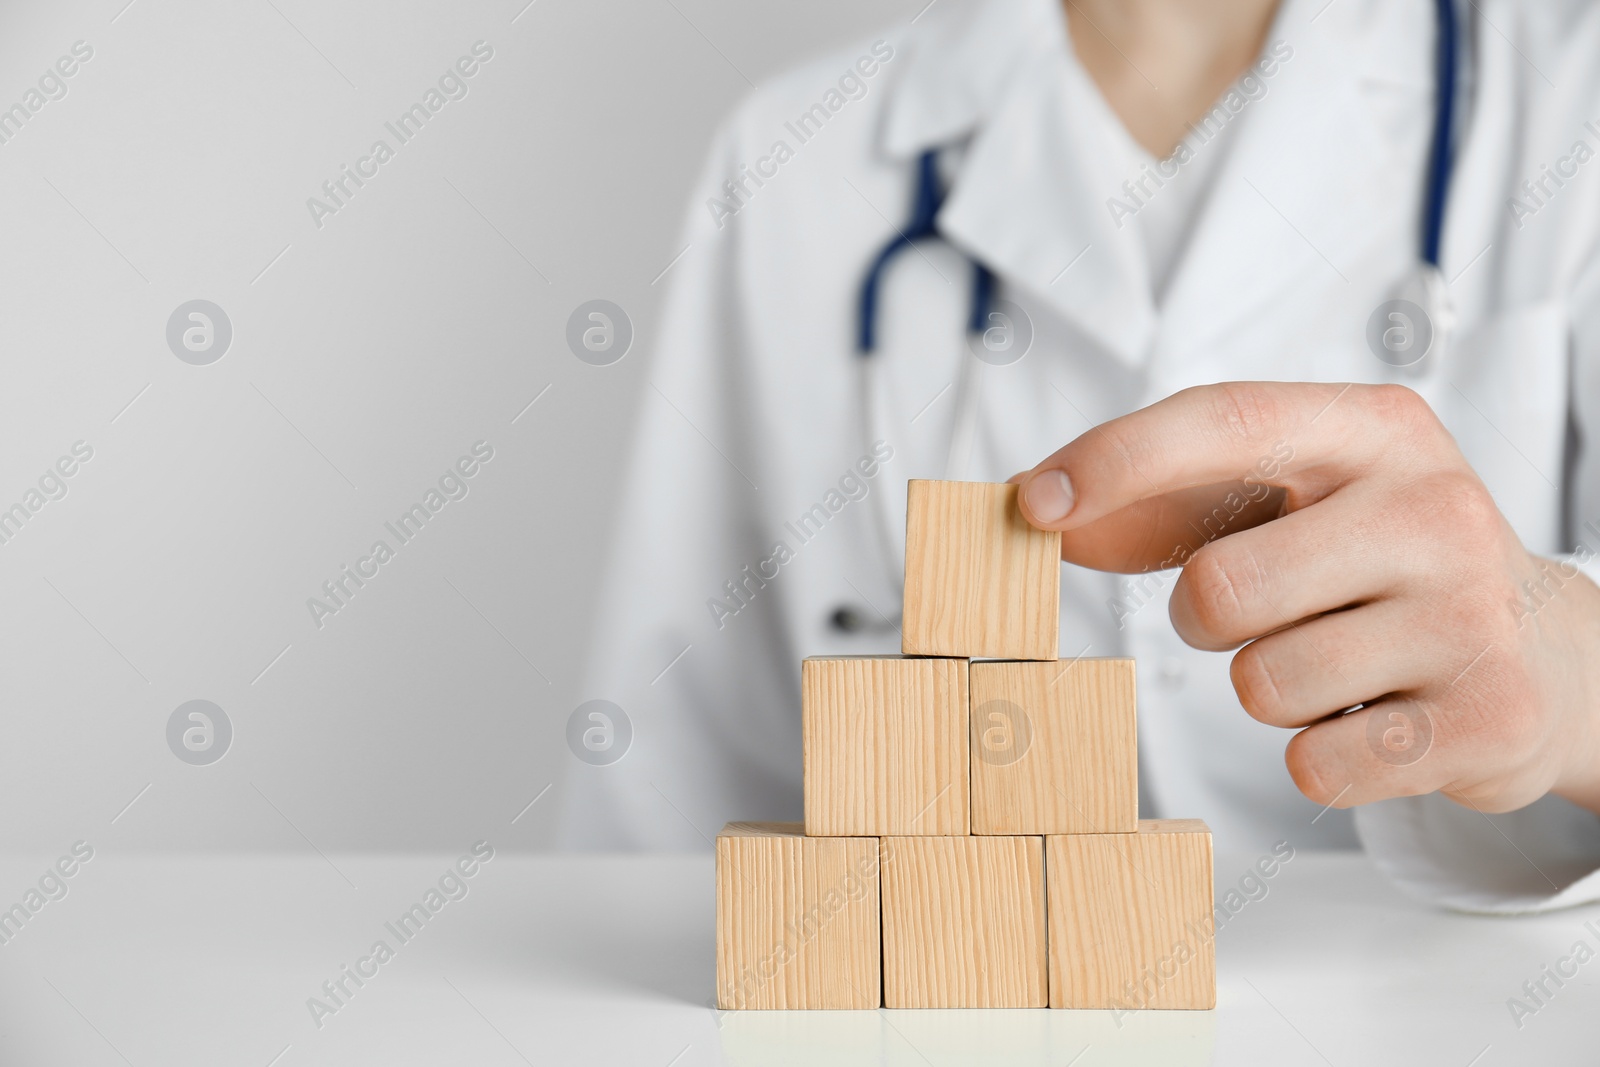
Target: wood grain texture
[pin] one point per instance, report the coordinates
(1054, 747)
(1131, 925)
(884, 744)
(980, 581)
(963, 922)
(797, 919)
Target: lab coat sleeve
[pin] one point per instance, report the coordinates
(1540, 858)
(1547, 855)
(709, 701)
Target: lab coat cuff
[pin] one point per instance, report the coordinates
(1539, 858)
(1586, 559)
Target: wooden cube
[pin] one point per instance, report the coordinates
(963, 922)
(1054, 747)
(1130, 918)
(884, 746)
(797, 919)
(980, 581)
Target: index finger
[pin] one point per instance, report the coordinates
(1217, 433)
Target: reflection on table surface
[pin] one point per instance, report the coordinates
(952, 1038)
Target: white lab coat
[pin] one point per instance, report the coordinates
(755, 410)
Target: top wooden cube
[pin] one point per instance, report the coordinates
(980, 581)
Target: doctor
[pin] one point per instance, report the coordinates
(1385, 215)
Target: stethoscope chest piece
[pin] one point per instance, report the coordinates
(1412, 331)
(849, 619)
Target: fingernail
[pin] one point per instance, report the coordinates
(1048, 495)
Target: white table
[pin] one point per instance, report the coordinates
(175, 960)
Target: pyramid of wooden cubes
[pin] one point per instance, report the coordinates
(972, 835)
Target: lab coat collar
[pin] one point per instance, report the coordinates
(992, 77)
(1024, 205)
(962, 54)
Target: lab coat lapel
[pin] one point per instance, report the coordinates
(1026, 205)
(994, 77)
(1315, 166)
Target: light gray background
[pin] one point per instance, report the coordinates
(367, 356)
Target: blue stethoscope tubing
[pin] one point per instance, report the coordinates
(929, 198)
(1443, 132)
(929, 195)
(1429, 288)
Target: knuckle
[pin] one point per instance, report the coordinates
(1404, 411)
(1114, 446)
(1402, 407)
(1478, 512)
(1244, 410)
(1214, 590)
(1398, 402)
(1454, 507)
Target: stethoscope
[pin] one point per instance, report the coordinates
(1426, 287)
(925, 204)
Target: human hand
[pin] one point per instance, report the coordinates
(1337, 533)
